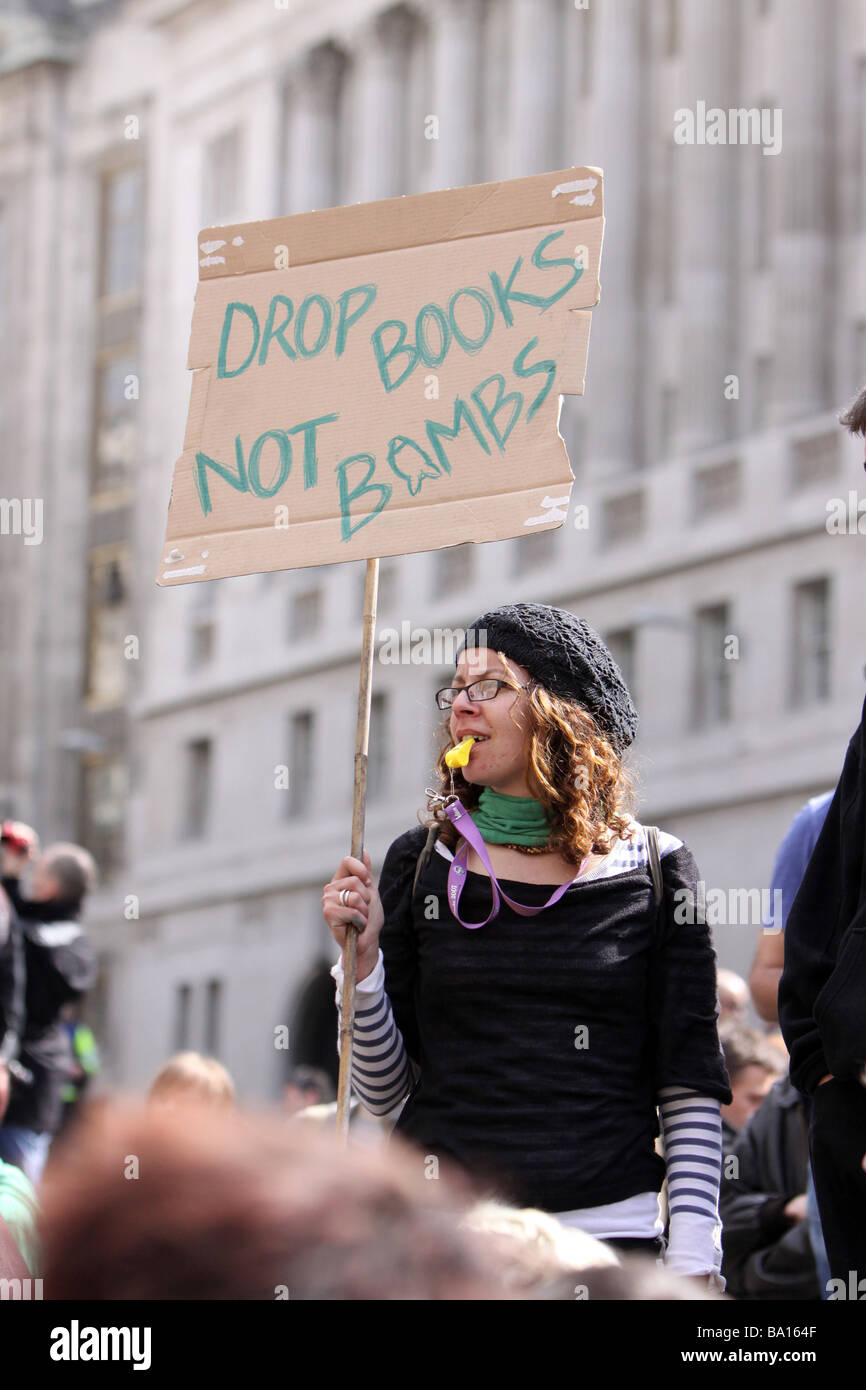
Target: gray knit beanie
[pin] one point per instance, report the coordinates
(564, 654)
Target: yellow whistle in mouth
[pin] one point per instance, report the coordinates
(458, 756)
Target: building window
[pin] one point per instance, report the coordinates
(763, 387)
(810, 647)
(532, 550)
(622, 517)
(716, 489)
(815, 461)
(212, 1017)
(122, 231)
(301, 736)
(182, 1011)
(378, 763)
(669, 223)
(623, 648)
(198, 788)
(672, 28)
(305, 614)
(201, 643)
(453, 567)
(712, 683)
(220, 181)
(668, 421)
(108, 625)
(116, 405)
(763, 204)
(103, 801)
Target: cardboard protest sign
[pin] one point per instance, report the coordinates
(384, 378)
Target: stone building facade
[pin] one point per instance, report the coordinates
(153, 723)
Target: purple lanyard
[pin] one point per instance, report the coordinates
(455, 812)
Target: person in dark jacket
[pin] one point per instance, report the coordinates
(60, 967)
(765, 1236)
(822, 997)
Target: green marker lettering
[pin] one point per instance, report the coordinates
(284, 445)
(271, 332)
(222, 369)
(548, 366)
(327, 309)
(501, 400)
(238, 480)
(481, 297)
(311, 462)
(383, 357)
(347, 497)
(344, 319)
(435, 429)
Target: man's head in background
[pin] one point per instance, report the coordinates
(188, 1078)
(307, 1086)
(753, 1065)
(236, 1206)
(854, 418)
(4, 1089)
(62, 873)
(733, 997)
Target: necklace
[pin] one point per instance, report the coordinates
(529, 849)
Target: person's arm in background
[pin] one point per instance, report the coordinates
(792, 858)
(766, 974)
(12, 982)
(826, 904)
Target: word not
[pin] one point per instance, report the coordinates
(846, 519)
(22, 516)
(728, 906)
(738, 126)
(75, 1343)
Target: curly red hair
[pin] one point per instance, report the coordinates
(572, 769)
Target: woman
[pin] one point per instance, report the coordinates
(539, 1049)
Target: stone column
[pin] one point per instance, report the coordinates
(704, 228)
(613, 140)
(379, 113)
(457, 68)
(534, 66)
(312, 134)
(800, 254)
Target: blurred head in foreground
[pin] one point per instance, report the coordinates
(148, 1205)
(187, 1076)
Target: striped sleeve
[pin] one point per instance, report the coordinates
(382, 1072)
(692, 1135)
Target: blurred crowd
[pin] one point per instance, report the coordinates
(104, 1197)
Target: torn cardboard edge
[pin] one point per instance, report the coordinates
(392, 224)
(215, 555)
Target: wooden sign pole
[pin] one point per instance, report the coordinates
(350, 950)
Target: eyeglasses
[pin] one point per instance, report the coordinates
(485, 689)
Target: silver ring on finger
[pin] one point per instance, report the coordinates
(344, 897)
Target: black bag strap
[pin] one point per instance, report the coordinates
(655, 862)
(424, 856)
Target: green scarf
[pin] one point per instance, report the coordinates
(512, 820)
